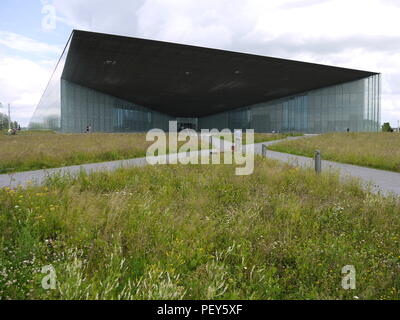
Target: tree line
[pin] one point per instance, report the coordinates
(4, 122)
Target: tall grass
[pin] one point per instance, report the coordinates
(199, 232)
(264, 137)
(42, 150)
(375, 150)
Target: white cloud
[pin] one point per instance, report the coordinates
(326, 19)
(21, 43)
(208, 23)
(22, 83)
(23, 79)
(118, 16)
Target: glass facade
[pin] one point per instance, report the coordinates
(104, 61)
(81, 106)
(69, 107)
(354, 106)
(48, 112)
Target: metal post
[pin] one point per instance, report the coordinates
(9, 117)
(237, 140)
(264, 150)
(317, 158)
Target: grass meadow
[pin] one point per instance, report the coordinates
(264, 137)
(36, 150)
(375, 150)
(199, 232)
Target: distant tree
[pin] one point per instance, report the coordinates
(3, 121)
(386, 127)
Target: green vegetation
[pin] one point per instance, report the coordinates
(386, 127)
(43, 149)
(35, 132)
(33, 150)
(29, 132)
(264, 137)
(4, 120)
(375, 150)
(183, 232)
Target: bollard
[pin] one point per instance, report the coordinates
(317, 159)
(264, 150)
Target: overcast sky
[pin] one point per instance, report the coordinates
(360, 34)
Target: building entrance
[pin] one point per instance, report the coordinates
(187, 123)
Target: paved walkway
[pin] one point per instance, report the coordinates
(37, 177)
(381, 181)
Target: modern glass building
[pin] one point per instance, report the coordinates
(121, 84)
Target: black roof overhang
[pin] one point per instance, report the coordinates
(188, 81)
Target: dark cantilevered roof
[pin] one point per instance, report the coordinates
(189, 81)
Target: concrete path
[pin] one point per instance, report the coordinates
(385, 182)
(37, 177)
(381, 181)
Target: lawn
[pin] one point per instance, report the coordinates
(41, 150)
(375, 150)
(199, 232)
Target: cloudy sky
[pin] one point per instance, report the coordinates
(360, 34)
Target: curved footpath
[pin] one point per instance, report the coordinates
(385, 182)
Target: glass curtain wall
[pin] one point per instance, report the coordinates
(354, 106)
(47, 114)
(70, 107)
(81, 107)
